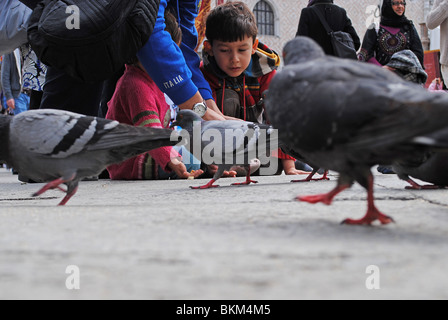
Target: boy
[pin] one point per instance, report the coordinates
(238, 67)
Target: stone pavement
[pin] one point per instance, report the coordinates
(162, 240)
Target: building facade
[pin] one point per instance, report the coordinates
(278, 19)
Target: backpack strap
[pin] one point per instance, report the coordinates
(322, 19)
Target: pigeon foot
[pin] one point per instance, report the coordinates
(245, 183)
(310, 177)
(415, 186)
(56, 184)
(308, 180)
(326, 198)
(68, 196)
(207, 186)
(373, 213)
(371, 216)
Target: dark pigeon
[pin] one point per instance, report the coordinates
(348, 116)
(239, 143)
(428, 166)
(288, 150)
(61, 147)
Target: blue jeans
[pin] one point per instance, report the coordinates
(22, 103)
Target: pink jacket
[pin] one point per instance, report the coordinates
(138, 101)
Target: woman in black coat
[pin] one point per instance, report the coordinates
(337, 19)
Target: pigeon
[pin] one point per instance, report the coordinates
(348, 116)
(428, 166)
(288, 150)
(227, 143)
(61, 147)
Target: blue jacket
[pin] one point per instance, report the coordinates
(175, 70)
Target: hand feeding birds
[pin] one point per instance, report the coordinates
(227, 144)
(348, 116)
(61, 147)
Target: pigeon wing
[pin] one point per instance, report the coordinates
(60, 134)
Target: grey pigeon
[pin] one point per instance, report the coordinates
(348, 116)
(226, 143)
(61, 147)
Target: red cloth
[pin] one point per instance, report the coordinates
(138, 101)
(281, 155)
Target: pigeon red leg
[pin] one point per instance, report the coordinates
(325, 198)
(70, 193)
(310, 177)
(325, 176)
(55, 184)
(248, 180)
(207, 186)
(415, 186)
(373, 213)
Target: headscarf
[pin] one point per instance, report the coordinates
(389, 18)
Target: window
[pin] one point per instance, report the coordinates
(265, 18)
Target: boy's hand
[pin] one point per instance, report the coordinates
(213, 112)
(181, 171)
(226, 174)
(232, 118)
(212, 115)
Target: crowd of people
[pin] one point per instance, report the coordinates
(227, 82)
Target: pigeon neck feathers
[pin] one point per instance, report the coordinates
(186, 118)
(301, 49)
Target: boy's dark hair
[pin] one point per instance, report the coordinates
(231, 22)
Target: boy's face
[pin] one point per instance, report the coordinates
(232, 57)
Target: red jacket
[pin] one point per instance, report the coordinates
(139, 102)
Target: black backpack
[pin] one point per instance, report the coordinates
(109, 33)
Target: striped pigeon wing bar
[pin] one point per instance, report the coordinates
(54, 134)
